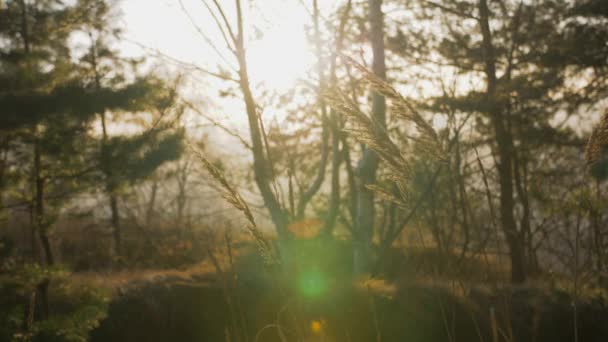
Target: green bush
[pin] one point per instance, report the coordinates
(75, 309)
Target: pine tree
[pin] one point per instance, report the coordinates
(48, 106)
(524, 55)
(125, 159)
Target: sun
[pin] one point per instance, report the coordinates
(283, 54)
(278, 51)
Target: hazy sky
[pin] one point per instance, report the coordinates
(277, 48)
(278, 52)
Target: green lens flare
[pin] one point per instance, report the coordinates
(312, 284)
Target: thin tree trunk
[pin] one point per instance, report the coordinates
(39, 219)
(33, 240)
(151, 203)
(181, 204)
(38, 203)
(320, 177)
(464, 203)
(115, 221)
(37, 207)
(505, 153)
(261, 166)
(598, 236)
(436, 230)
(182, 180)
(108, 173)
(41, 227)
(350, 178)
(290, 190)
(336, 136)
(522, 193)
(336, 160)
(111, 190)
(368, 165)
(3, 167)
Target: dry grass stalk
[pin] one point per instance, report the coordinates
(230, 194)
(404, 109)
(372, 134)
(279, 329)
(597, 142)
(376, 137)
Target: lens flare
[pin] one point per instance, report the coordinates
(316, 326)
(312, 283)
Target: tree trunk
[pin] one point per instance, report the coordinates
(41, 227)
(368, 165)
(334, 197)
(110, 189)
(336, 136)
(464, 203)
(151, 203)
(350, 178)
(261, 165)
(520, 174)
(505, 153)
(320, 177)
(108, 173)
(37, 206)
(597, 234)
(182, 181)
(115, 221)
(39, 219)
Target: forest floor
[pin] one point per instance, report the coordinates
(119, 281)
(235, 293)
(197, 303)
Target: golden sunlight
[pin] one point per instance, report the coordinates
(303, 170)
(282, 55)
(278, 52)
